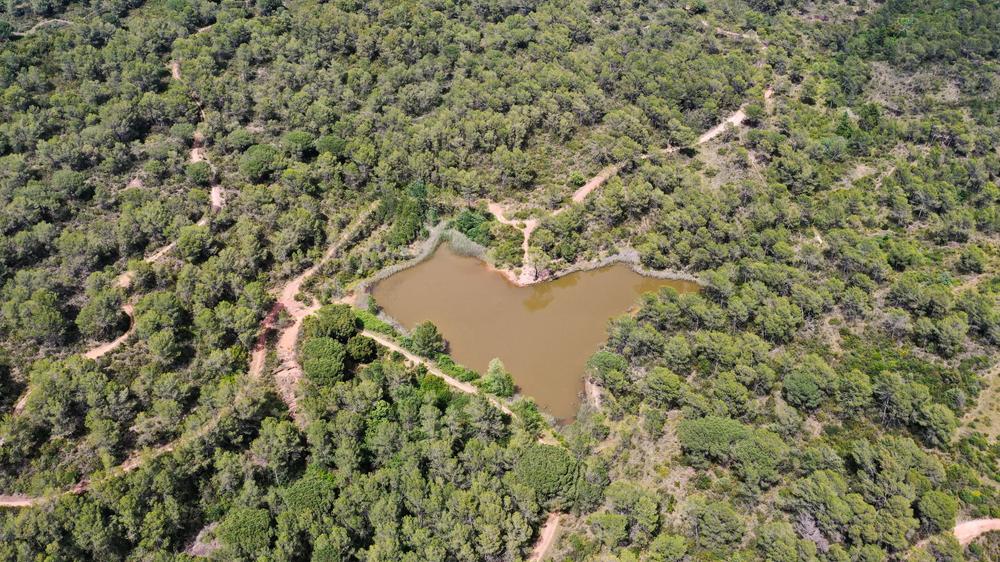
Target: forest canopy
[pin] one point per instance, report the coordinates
(194, 196)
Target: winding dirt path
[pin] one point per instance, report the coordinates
(136, 458)
(289, 373)
(546, 537)
(433, 369)
(529, 273)
(217, 201)
(39, 25)
(132, 462)
(970, 530)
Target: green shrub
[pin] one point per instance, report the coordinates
(475, 225)
(323, 360)
(362, 349)
(199, 173)
(937, 510)
(298, 144)
(314, 492)
(610, 528)
(259, 162)
(238, 141)
(371, 322)
(331, 144)
(497, 380)
(426, 340)
(246, 532)
(193, 242)
(711, 437)
(972, 260)
(550, 471)
(448, 365)
(336, 321)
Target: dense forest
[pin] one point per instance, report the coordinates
(193, 193)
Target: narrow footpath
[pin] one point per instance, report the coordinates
(529, 274)
(217, 201)
(971, 530)
(40, 25)
(433, 369)
(289, 373)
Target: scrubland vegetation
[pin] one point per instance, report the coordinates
(822, 399)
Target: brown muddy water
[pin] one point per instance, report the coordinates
(543, 333)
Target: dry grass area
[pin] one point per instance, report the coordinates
(984, 417)
(894, 88)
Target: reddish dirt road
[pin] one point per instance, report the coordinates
(289, 373)
(595, 182)
(546, 537)
(970, 530)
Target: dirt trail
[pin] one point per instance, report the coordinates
(736, 119)
(529, 273)
(527, 227)
(289, 372)
(595, 182)
(133, 461)
(21, 402)
(218, 201)
(124, 280)
(106, 348)
(18, 501)
(593, 393)
(981, 410)
(970, 530)
(734, 34)
(217, 198)
(433, 369)
(546, 537)
(39, 25)
(547, 437)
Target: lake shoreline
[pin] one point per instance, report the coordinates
(544, 333)
(440, 233)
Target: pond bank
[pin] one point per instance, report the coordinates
(544, 333)
(462, 245)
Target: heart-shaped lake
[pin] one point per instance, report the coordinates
(544, 333)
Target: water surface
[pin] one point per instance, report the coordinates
(543, 333)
